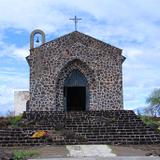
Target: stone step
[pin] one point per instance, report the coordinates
(96, 124)
(81, 127)
(23, 141)
(93, 127)
(107, 127)
(20, 144)
(91, 134)
(123, 130)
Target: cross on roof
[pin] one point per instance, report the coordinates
(75, 19)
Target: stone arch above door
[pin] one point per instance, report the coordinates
(83, 68)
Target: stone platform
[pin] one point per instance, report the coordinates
(114, 127)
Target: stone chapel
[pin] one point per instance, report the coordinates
(75, 72)
(68, 75)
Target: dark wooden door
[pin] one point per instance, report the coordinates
(76, 98)
(76, 95)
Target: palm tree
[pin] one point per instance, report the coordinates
(154, 102)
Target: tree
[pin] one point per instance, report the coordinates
(138, 112)
(154, 103)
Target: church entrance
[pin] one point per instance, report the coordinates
(75, 92)
(76, 98)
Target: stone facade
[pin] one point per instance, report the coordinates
(52, 62)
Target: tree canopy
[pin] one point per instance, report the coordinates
(154, 103)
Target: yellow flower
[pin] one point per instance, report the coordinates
(39, 134)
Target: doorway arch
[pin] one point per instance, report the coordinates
(76, 95)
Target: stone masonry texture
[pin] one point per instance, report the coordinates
(51, 63)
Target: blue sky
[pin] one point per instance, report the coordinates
(133, 26)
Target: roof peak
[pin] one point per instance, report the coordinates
(79, 35)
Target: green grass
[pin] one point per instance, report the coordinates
(14, 120)
(151, 121)
(22, 155)
(10, 121)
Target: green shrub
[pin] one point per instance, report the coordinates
(22, 155)
(153, 125)
(10, 121)
(14, 120)
(151, 121)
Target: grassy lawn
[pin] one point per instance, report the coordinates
(22, 154)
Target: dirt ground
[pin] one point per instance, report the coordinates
(42, 151)
(61, 151)
(136, 150)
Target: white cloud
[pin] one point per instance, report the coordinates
(31, 14)
(111, 20)
(14, 79)
(13, 51)
(133, 52)
(21, 52)
(6, 95)
(51, 15)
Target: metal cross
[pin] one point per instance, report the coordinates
(75, 19)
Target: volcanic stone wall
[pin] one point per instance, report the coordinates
(51, 63)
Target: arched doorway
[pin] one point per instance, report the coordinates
(75, 92)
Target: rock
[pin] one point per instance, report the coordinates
(1, 154)
(148, 154)
(154, 153)
(5, 155)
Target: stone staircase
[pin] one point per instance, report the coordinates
(91, 127)
(18, 137)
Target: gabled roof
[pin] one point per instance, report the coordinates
(78, 36)
(88, 41)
